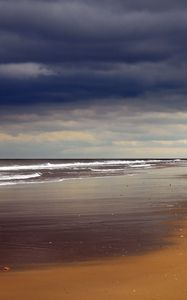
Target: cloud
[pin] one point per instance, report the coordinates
(24, 70)
(83, 51)
(93, 77)
(95, 132)
(84, 31)
(48, 137)
(75, 31)
(147, 83)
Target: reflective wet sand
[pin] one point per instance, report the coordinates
(110, 238)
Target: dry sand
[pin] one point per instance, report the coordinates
(158, 275)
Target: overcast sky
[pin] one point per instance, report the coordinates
(85, 79)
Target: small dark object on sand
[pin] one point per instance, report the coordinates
(6, 269)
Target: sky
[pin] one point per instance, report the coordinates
(93, 79)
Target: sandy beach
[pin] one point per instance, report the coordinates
(159, 275)
(126, 241)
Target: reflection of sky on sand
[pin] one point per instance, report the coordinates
(107, 194)
(88, 218)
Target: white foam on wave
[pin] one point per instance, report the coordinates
(19, 177)
(7, 183)
(79, 165)
(107, 170)
(26, 167)
(71, 165)
(21, 182)
(141, 166)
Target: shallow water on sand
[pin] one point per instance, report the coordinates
(84, 219)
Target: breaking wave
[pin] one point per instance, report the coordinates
(19, 171)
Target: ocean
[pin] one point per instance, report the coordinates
(25, 171)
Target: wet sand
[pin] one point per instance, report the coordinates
(158, 275)
(122, 241)
(82, 220)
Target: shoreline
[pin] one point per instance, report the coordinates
(93, 220)
(160, 274)
(147, 212)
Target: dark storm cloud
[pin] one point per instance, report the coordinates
(78, 31)
(84, 51)
(143, 83)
